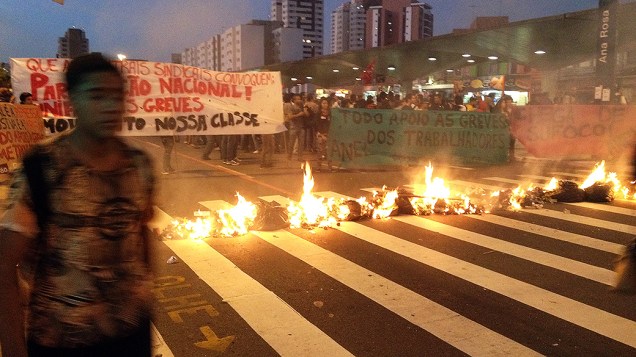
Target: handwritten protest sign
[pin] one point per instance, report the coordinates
(566, 131)
(20, 127)
(362, 138)
(164, 98)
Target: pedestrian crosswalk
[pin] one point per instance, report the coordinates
(533, 282)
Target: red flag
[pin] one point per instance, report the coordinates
(368, 73)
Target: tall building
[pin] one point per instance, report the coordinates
(397, 21)
(306, 15)
(418, 22)
(347, 27)
(287, 44)
(73, 44)
(209, 53)
(242, 47)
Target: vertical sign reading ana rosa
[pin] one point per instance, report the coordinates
(606, 46)
(20, 127)
(165, 98)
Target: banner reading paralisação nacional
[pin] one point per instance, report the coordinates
(164, 98)
(363, 138)
(20, 127)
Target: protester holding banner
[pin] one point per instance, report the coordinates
(26, 98)
(82, 202)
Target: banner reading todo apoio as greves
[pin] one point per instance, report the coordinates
(164, 98)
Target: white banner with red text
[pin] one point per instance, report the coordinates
(164, 98)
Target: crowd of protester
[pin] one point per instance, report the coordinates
(307, 120)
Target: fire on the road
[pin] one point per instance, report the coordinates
(432, 196)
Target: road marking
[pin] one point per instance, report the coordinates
(619, 227)
(271, 317)
(607, 324)
(536, 177)
(570, 175)
(607, 208)
(475, 184)
(567, 265)
(159, 346)
(554, 261)
(551, 233)
(456, 330)
(594, 319)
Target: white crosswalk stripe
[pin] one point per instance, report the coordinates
(252, 301)
(282, 327)
(474, 339)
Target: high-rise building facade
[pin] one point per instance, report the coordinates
(396, 21)
(248, 46)
(306, 15)
(418, 22)
(73, 44)
(347, 27)
(287, 44)
(207, 54)
(242, 47)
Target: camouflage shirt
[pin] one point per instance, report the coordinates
(91, 282)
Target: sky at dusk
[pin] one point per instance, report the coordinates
(153, 29)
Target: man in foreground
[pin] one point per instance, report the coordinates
(78, 211)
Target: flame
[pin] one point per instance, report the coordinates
(597, 175)
(434, 196)
(386, 203)
(552, 185)
(237, 220)
(200, 228)
(310, 211)
(517, 197)
(229, 222)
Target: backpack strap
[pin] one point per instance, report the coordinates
(33, 165)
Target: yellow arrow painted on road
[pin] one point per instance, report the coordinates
(212, 341)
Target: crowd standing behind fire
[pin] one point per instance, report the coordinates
(307, 120)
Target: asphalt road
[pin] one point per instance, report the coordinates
(531, 282)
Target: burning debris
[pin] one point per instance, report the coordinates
(432, 196)
(599, 186)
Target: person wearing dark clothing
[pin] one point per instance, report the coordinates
(229, 145)
(506, 107)
(211, 142)
(296, 119)
(322, 131)
(168, 147)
